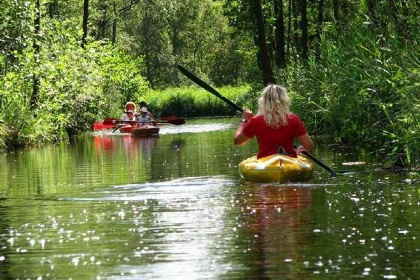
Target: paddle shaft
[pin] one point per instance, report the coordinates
(207, 87)
(174, 122)
(320, 163)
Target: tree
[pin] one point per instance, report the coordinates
(279, 37)
(304, 28)
(319, 29)
(85, 21)
(36, 46)
(289, 28)
(264, 59)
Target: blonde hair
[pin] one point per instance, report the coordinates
(130, 103)
(274, 105)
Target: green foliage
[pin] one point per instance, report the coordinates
(193, 33)
(364, 90)
(122, 81)
(76, 86)
(361, 87)
(194, 102)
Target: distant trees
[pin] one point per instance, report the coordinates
(228, 41)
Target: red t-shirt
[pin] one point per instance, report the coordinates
(271, 139)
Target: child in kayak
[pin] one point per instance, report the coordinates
(143, 104)
(130, 111)
(275, 127)
(144, 117)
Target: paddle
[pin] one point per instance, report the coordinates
(174, 122)
(320, 163)
(117, 127)
(201, 83)
(170, 121)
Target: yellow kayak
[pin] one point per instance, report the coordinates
(276, 168)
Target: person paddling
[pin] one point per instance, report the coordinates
(275, 127)
(128, 116)
(130, 111)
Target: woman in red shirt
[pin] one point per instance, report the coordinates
(274, 126)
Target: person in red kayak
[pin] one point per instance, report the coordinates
(143, 104)
(143, 118)
(275, 127)
(130, 111)
(128, 116)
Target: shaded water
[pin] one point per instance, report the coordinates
(174, 207)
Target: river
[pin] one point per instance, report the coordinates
(107, 206)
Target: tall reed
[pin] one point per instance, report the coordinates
(364, 90)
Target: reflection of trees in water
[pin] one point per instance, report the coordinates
(4, 233)
(169, 160)
(146, 145)
(177, 144)
(272, 226)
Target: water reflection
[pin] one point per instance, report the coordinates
(195, 128)
(174, 207)
(274, 225)
(173, 227)
(4, 255)
(103, 142)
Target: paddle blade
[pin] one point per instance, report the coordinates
(103, 125)
(108, 121)
(97, 126)
(167, 118)
(176, 122)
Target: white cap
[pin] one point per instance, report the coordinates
(143, 109)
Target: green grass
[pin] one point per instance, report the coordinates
(195, 102)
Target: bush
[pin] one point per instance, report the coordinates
(364, 90)
(194, 101)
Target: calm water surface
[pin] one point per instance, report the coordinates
(174, 207)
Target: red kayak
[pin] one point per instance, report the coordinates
(112, 123)
(145, 131)
(127, 128)
(103, 125)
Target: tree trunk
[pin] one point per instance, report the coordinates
(319, 29)
(114, 31)
(147, 51)
(280, 41)
(289, 29)
(267, 72)
(53, 8)
(85, 21)
(102, 21)
(114, 25)
(336, 4)
(304, 28)
(296, 42)
(36, 47)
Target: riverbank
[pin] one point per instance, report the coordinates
(343, 124)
